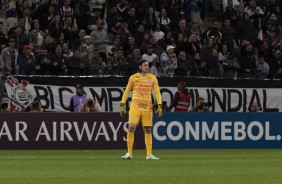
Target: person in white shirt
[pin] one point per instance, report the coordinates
(158, 34)
(153, 60)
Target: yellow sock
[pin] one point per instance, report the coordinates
(148, 142)
(130, 141)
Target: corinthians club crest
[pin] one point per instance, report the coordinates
(19, 91)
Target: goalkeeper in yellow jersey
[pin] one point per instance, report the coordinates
(141, 107)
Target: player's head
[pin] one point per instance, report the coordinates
(143, 66)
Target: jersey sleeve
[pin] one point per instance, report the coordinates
(156, 89)
(127, 90)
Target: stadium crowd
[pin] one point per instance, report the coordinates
(108, 37)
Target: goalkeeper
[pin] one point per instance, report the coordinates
(141, 107)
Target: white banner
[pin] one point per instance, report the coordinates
(57, 98)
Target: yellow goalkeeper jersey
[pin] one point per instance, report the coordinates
(142, 87)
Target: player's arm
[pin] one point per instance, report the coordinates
(125, 96)
(157, 91)
(127, 90)
(158, 97)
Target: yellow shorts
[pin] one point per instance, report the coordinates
(136, 115)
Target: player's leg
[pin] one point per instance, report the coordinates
(133, 120)
(147, 123)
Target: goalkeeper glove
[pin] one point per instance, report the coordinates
(159, 111)
(122, 110)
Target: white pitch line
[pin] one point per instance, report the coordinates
(117, 157)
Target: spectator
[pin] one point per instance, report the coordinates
(100, 38)
(66, 10)
(21, 24)
(195, 30)
(90, 105)
(56, 26)
(153, 60)
(70, 30)
(6, 105)
(247, 61)
(124, 32)
(255, 13)
(168, 62)
(229, 35)
(10, 58)
(80, 39)
(275, 64)
(193, 44)
(181, 100)
(163, 20)
(20, 38)
(28, 19)
(49, 43)
(36, 106)
(67, 53)
(182, 65)
(206, 49)
(254, 107)
(271, 7)
(11, 12)
(129, 46)
(197, 66)
(109, 68)
(182, 29)
(173, 9)
(156, 48)
(96, 64)
(166, 40)
(120, 63)
(87, 47)
(82, 13)
(213, 65)
(112, 49)
(131, 20)
(213, 32)
(78, 99)
(3, 38)
(264, 49)
(43, 64)
(51, 15)
(141, 34)
(36, 36)
(59, 62)
(26, 62)
(246, 29)
(193, 12)
(77, 65)
(157, 33)
(43, 13)
(21, 7)
(231, 14)
(150, 19)
(60, 39)
(230, 66)
(262, 70)
(113, 20)
(123, 7)
(201, 105)
(133, 61)
(97, 5)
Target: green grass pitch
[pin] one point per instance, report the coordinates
(251, 166)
